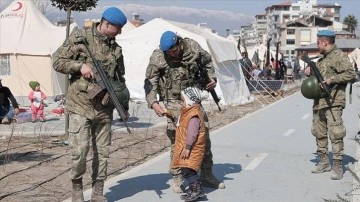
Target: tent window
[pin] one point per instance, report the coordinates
(5, 65)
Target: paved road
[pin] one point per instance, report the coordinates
(264, 157)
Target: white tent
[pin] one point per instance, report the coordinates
(139, 44)
(27, 41)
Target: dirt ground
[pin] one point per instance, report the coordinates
(37, 169)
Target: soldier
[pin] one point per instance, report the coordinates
(90, 120)
(336, 69)
(171, 69)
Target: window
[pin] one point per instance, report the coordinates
(290, 31)
(276, 18)
(290, 41)
(5, 65)
(296, 8)
(292, 52)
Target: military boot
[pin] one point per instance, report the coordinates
(177, 185)
(77, 191)
(195, 191)
(208, 179)
(337, 170)
(323, 165)
(97, 192)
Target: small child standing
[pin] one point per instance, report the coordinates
(37, 97)
(190, 142)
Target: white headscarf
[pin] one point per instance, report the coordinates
(192, 95)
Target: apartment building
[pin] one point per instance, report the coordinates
(296, 24)
(249, 34)
(260, 25)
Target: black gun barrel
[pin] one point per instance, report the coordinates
(212, 92)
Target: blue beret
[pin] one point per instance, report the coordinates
(115, 16)
(168, 40)
(326, 32)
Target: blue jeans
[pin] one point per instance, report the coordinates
(9, 113)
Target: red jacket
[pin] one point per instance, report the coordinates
(32, 98)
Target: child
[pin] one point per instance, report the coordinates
(37, 98)
(190, 142)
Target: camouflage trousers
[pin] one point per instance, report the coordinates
(82, 133)
(207, 163)
(328, 122)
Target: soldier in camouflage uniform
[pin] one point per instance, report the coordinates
(90, 121)
(171, 69)
(337, 71)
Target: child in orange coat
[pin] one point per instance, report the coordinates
(37, 97)
(190, 142)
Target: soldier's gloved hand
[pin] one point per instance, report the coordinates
(158, 109)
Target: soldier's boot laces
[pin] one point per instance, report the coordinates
(209, 180)
(77, 191)
(97, 192)
(337, 170)
(177, 185)
(195, 191)
(323, 165)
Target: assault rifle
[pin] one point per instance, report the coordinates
(203, 78)
(105, 85)
(317, 74)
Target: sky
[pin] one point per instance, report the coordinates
(218, 14)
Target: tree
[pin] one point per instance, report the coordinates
(352, 22)
(68, 6)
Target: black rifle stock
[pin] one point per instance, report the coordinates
(104, 84)
(204, 80)
(317, 74)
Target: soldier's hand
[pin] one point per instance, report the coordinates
(211, 85)
(86, 71)
(307, 71)
(158, 109)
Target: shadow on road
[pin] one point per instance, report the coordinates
(160, 182)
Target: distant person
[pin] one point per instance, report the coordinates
(190, 141)
(7, 111)
(37, 97)
(90, 119)
(282, 68)
(296, 68)
(246, 66)
(337, 71)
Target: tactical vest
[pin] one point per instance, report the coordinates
(109, 56)
(180, 74)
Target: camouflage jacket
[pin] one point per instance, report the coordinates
(68, 59)
(167, 76)
(335, 65)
